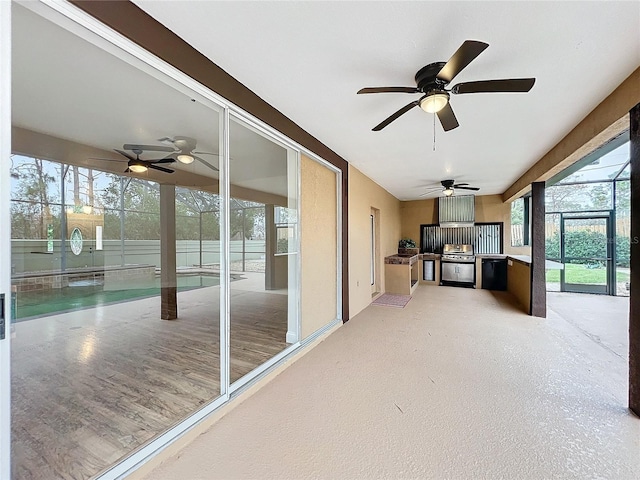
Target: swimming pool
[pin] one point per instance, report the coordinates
(88, 294)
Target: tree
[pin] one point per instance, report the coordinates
(563, 198)
(623, 198)
(141, 206)
(31, 205)
(517, 211)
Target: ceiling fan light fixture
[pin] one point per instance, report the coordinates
(185, 158)
(447, 192)
(138, 168)
(434, 102)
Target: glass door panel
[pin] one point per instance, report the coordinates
(5, 242)
(263, 234)
(586, 254)
(623, 235)
(114, 261)
(552, 250)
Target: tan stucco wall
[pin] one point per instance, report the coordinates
(363, 195)
(318, 245)
(489, 208)
(416, 213)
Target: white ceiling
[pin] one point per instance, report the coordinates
(309, 58)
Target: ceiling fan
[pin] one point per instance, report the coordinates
(432, 79)
(182, 149)
(138, 165)
(448, 187)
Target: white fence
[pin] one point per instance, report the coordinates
(32, 255)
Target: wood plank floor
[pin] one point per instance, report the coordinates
(90, 386)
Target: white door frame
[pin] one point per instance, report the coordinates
(5, 236)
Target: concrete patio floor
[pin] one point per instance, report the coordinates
(458, 384)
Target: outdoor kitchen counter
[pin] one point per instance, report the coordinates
(526, 259)
(401, 273)
(401, 259)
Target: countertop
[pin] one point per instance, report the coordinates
(401, 259)
(549, 264)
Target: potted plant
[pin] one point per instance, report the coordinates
(407, 246)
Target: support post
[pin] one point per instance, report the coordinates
(634, 290)
(244, 243)
(538, 306)
(270, 247)
(200, 236)
(63, 221)
(123, 187)
(168, 280)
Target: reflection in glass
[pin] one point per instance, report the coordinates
(98, 253)
(263, 246)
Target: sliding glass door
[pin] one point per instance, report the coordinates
(5, 244)
(263, 287)
(115, 259)
(150, 256)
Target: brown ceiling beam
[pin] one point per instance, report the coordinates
(609, 119)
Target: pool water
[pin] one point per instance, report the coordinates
(87, 294)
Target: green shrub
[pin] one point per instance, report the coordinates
(552, 246)
(283, 245)
(587, 244)
(623, 251)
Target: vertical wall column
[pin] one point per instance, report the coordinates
(538, 306)
(634, 293)
(168, 285)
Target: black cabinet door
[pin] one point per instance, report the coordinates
(494, 274)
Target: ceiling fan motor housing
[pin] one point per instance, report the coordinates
(427, 79)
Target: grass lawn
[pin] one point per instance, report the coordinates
(581, 274)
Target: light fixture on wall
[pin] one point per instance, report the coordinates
(435, 101)
(185, 158)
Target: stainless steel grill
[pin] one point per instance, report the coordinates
(457, 265)
(458, 258)
(457, 251)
